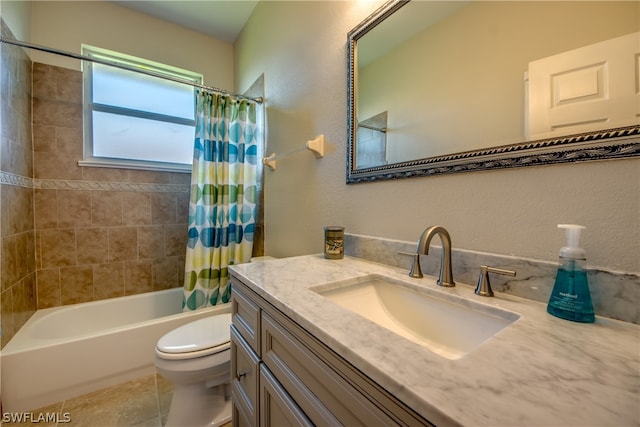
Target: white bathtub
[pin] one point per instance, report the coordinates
(67, 351)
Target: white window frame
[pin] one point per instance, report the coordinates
(104, 55)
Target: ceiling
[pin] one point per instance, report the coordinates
(221, 19)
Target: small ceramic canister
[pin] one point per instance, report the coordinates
(334, 242)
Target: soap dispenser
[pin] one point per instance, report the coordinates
(570, 298)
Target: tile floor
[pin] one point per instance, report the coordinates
(143, 402)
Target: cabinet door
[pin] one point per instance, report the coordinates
(277, 407)
(244, 380)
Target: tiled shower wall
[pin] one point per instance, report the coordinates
(100, 232)
(18, 270)
(73, 234)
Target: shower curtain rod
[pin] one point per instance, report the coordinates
(27, 45)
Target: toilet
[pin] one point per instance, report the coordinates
(196, 358)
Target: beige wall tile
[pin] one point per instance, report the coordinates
(24, 213)
(76, 284)
(4, 146)
(4, 208)
(46, 208)
(181, 268)
(150, 176)
(25, 254)
(163, 208)
(38, 249)
(44, 138)
(106, 208)
(31, 248)
(49, 290)
(105, 174)
(56, 165)
(165, 273)
(108, 280)
(17, 158)
(123, 243)
(92, 245)
(61, 114)
(151, 242)
(180, 178)
(69, 141)
(176, 240)
(10, 124)
(137, 277)
(24, 298)
(17, 255)
(8, 326)
(44, 85)
(136, 208)
(182, 200)
(74, 208)
(68, 85)
(9, 255)
(58, 247)
(17, 209)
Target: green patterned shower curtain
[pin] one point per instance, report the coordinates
(222, 207)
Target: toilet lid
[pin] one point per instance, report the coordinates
(209, 333)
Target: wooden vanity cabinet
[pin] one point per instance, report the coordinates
(282, 375)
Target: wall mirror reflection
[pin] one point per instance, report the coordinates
(440, 86)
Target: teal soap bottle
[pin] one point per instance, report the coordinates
(570, 298)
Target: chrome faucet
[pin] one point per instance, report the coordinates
(446, 271)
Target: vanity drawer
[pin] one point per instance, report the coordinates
(309, 374)
(244, 380)
(245, 316)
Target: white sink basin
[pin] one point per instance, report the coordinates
(446, 324)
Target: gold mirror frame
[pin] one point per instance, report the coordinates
(605, 144)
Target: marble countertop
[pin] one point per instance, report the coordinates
(539, 371)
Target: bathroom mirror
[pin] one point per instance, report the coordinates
(440, 87)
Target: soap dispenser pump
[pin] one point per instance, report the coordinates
(570, 298)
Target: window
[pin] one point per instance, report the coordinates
(136, 120)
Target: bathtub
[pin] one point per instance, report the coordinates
(67, 351)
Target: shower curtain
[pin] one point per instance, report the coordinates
(222, 207)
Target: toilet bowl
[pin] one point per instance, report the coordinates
(196, 358)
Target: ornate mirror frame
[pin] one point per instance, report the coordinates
(598, 145)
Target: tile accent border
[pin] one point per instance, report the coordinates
(615, 294)
(59, 184)
(15, 180)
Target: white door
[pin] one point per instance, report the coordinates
(591, 88)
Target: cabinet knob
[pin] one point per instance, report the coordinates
(242, 373)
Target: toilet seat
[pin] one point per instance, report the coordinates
(196, 339)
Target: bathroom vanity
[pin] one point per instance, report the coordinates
(285, 376)
(299, 358)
